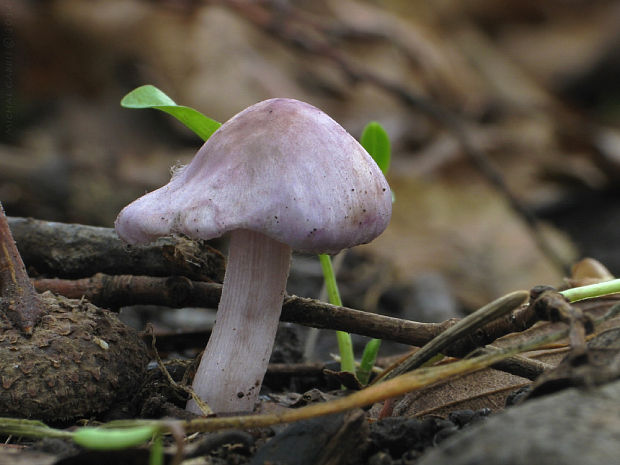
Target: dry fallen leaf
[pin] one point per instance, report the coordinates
(489, 387)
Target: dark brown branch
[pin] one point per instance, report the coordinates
(76, 251)
(116, 291)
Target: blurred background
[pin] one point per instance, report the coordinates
(503, 116)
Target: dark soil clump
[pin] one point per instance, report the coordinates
(80, 361)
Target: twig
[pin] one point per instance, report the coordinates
(202, 405)
(75, 251)
(496, 309)
(519, 365)
(116, 291)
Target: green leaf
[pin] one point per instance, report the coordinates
(149, 96)
(377, 143)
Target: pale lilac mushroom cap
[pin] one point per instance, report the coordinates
(280, 167)
(279, 174)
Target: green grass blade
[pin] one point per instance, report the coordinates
(149, 96)
(592, 290)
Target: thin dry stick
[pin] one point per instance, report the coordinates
(376, 393)
(397, 386)
(202, 405)
(115, 291)
(496, 309)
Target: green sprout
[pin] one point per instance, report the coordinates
(345, 345)
(369, 357)
(374, 139)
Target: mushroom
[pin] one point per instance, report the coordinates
(278, 176)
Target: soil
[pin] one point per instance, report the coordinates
(79, 361)
(346, 438)
(357, 437)
(79, 344)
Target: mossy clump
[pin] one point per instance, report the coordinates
(80, 361)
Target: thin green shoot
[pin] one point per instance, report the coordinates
(592, 290)
(31, 428)
(156, 455)
(345, 345)
(369, 357)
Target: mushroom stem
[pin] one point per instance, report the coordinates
(234, 363)
(18, 299)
